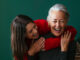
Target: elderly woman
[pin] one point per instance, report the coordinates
(57, 20)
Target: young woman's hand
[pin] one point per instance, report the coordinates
(65, 41)
(36, 47)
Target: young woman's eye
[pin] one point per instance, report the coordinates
(30, 31)
(34, 27)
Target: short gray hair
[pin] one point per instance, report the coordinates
(58, 7)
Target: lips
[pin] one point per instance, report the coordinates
(36, 35)
(57, 30)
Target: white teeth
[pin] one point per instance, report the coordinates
(57, 29)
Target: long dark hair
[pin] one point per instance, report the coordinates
(18, 32)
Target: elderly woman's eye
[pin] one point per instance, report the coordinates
(54, 21)
(62, 21)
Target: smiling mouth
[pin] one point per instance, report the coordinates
(36, 35)
(57, 29)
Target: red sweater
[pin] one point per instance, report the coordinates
(51, 42)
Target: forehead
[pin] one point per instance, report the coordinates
(57, 15)
(29, 26)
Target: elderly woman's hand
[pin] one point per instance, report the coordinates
(65, 41)
(36, 47)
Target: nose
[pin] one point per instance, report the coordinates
(58, 24)
(35, 31)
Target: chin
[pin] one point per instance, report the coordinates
(56, 34)
(36, 37)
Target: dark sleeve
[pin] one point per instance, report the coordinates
(31, 57)
(71, 51)
(70, 54)
(63, 56)
(35, 57)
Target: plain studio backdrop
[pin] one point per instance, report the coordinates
(36, 9)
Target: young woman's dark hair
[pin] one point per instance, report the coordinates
(18, 35)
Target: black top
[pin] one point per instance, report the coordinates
(55, 53)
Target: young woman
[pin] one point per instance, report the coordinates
(25, 39)
(23, 33)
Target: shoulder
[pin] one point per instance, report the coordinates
(40, 20)
(72, 30)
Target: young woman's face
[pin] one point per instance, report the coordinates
(57, 22)
(32, 31)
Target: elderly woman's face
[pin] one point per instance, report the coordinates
(31, 31)
(57, 22)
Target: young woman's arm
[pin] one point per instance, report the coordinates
(50, 43)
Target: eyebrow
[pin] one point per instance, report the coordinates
(54, 19)
(62, 19)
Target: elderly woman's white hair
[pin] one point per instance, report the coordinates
(58, 7)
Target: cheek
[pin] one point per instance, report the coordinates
(29, 36)
(52, 24)
(63, 25)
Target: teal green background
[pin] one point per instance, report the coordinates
(36, 9)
